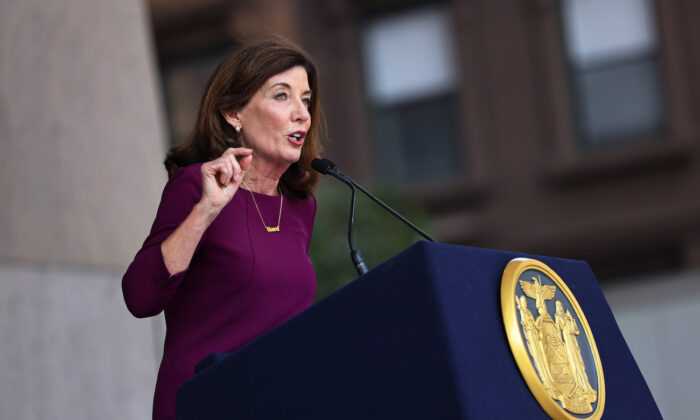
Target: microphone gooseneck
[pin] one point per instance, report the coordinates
(326, 167)
(355, 254)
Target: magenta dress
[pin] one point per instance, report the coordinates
(242, 281)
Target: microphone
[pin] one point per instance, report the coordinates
(326, 167)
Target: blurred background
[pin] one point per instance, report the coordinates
(557, 127)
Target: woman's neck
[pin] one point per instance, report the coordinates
(262, 181)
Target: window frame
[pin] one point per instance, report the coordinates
(563, 162)
(470, 179)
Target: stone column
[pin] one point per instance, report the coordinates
(81, 146)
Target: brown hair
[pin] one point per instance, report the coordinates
(232, 84)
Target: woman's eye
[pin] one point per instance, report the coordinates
(281, 95)
(307, 102)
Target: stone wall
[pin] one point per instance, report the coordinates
(82, 142)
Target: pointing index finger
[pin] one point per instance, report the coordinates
(242, 151)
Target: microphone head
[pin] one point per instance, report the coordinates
(324, 166)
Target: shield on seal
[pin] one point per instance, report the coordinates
(555, 356)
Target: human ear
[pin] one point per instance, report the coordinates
(232, 117)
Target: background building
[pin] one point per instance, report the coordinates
(557, 127)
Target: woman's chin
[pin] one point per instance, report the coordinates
(293, 156)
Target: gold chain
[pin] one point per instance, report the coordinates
(279, 217)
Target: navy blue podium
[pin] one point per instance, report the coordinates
(419, 337)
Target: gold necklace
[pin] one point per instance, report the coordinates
(279, 217)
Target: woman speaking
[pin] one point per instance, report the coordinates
(227, 255)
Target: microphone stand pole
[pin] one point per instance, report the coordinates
(325, 166)
(355, 254)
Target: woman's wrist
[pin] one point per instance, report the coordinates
(205, 213)
(179, 247)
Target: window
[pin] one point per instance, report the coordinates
(410, 80)
(612, 52)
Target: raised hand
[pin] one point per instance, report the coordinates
(222, 177)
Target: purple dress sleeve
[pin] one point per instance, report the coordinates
(147, 285)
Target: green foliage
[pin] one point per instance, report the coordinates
(377, 234)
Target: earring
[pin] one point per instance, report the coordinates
(237, 128)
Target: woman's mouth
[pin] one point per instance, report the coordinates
(297, 137)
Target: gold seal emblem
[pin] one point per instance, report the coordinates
(551, 341)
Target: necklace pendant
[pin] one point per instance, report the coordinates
(279, 216)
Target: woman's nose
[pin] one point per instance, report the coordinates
(301, 112)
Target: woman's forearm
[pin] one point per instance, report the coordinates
(221, 178)
(179, 247)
